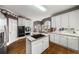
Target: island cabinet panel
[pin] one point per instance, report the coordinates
(73, 43)
(45, 43)
(37, 48)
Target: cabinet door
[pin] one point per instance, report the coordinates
(77, 19)
(52, 37)
(64, 20)
(58, 22)
(37, 48)
(72, 19)
(57, 38)
(63, 40)
(73, 43)
(45, 43)
(54, 21)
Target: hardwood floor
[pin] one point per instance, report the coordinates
(57, 49)
(19, 47)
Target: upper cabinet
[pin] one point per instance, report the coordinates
(73, 19)
(47, 23)
(64, 20)
(24, 22)
(58, 23)
(54, 21)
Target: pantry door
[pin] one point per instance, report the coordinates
(12, 30)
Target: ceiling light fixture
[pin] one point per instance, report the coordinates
(40, 7)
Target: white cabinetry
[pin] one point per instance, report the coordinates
(58, 19)
(54, 21)
(37, 47)
(47, 23)
(73, 43)
(21, 21)
(63, 40)
(64, 20)
(24, 22)
(45, 43)
(73, 19)
(66, 41)
(57, 38)
(52, 39)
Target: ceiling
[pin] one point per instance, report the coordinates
(34, 13)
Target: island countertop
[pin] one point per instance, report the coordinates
(30, 38)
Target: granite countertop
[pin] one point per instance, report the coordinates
(33, 39)
(67, 34)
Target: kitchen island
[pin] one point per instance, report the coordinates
(37, 43)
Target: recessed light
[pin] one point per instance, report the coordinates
(40, 7)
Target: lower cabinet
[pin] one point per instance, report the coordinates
(52, 39)
(37, 48)
(63, 40)
(73, 43)
(66, 41)
(45, 44)
(39, 45)
(57, 38)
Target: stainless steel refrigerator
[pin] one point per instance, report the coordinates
(3, 34)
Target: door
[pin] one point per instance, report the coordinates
(12, 30)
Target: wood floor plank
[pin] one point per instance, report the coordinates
(19, 47)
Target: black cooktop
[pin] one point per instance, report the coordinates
(36, 36)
